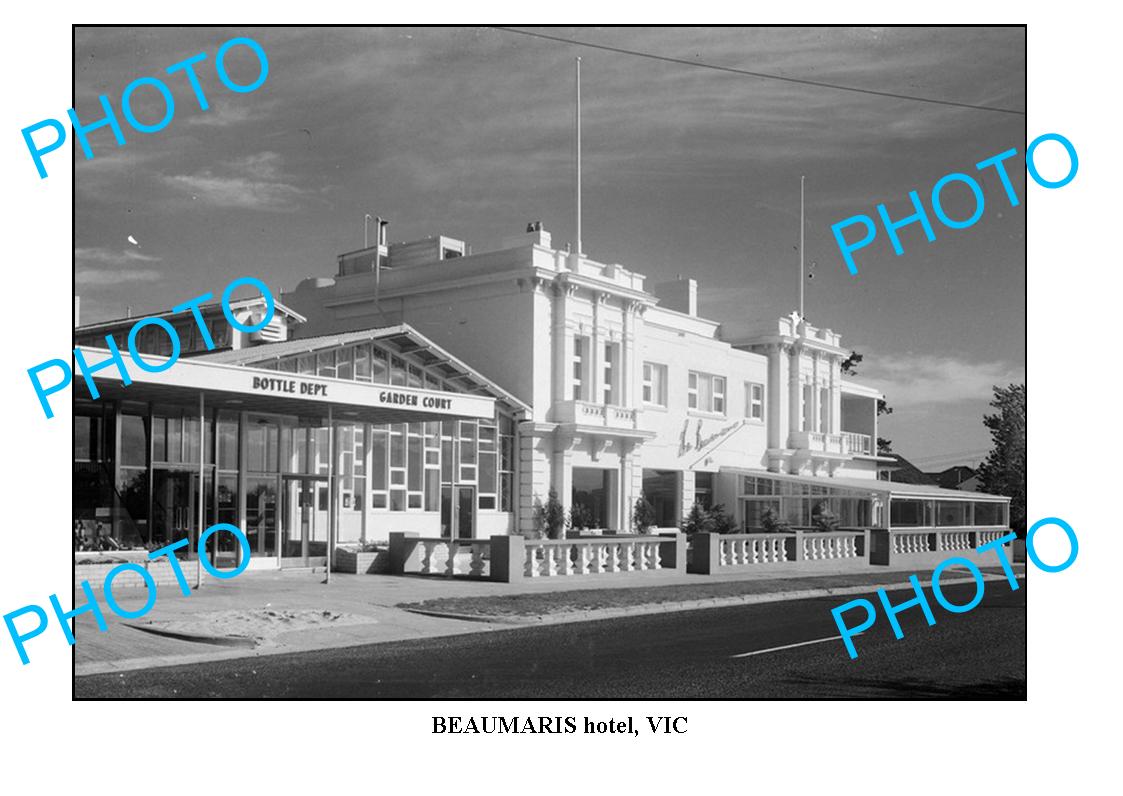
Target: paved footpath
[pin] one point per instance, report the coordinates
(267, 613)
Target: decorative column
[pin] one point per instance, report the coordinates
(795, 390)
(596, 354)
(628, 359)
(562, 332)
(816, 360)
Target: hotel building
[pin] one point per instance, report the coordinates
(426, 388)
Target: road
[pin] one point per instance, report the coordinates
(686, 654)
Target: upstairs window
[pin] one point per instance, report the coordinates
(705, 392)
(580, 363)
(654, 384)
(754, 401)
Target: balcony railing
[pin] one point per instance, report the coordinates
(860, 444)
(587, 413)
(845, 443)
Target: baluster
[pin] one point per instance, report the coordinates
(581, 564)
(597, 557)
(545, 567)
(476, 568)
(529, 570)
(450, 564)
(723, 552)
(656, 556)
(610, 557)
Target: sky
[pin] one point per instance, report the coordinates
(468, 132)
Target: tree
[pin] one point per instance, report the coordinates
(850, 368)
(580, 517)
(643, 515)
(1004, 470)
(722, 521)
(884, 445)
(707, 520)
(549, 518)
(772, 522)
(823, 519)
(697, 521)
(850, 364)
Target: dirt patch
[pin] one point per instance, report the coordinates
(259, 625)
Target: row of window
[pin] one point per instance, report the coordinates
(582, 368)
(365, 362)
(409, 462)
(705, 392)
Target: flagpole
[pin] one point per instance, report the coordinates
(801, 276)
(578, 125)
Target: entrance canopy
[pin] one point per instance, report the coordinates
(254, 389)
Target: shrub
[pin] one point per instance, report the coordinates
(823, 519)
(580, 518)
(697, 521)
(549, 518)
(772, 522)
(643, 515)
(721, 521)
(711, 520)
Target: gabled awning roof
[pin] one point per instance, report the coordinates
(401, 339)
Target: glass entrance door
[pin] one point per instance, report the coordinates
(458, 511)
(304, 531)
(174, 506)
(175, 515)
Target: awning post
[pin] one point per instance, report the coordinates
(202, 494)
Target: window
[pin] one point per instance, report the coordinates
(704, 489)
(611, 353)
(989, 514)
(661, 490)
(580, 365)
(654, 384)
(805, 413)
(705, 392)
(824, 407)
(754, 401)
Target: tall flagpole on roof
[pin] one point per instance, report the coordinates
(801, 276)
(578, 126)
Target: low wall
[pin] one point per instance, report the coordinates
(411, 554)
(371, 562)
(778, 552)
(928, 547)
(160, 571)
(511, 558)
(515, 558)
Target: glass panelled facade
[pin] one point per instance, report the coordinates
(801, 505)
(411, 462)
(913, 512)
(136, 467)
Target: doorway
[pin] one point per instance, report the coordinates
(458, 512)
(174, 506)
(304, 521)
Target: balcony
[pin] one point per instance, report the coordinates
(858, 444)
(846, 443)
(586, 413)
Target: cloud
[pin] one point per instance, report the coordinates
(222, 115)
(254, 182)
(100, 267)
(928, 379)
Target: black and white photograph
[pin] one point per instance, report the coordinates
(554, 363)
